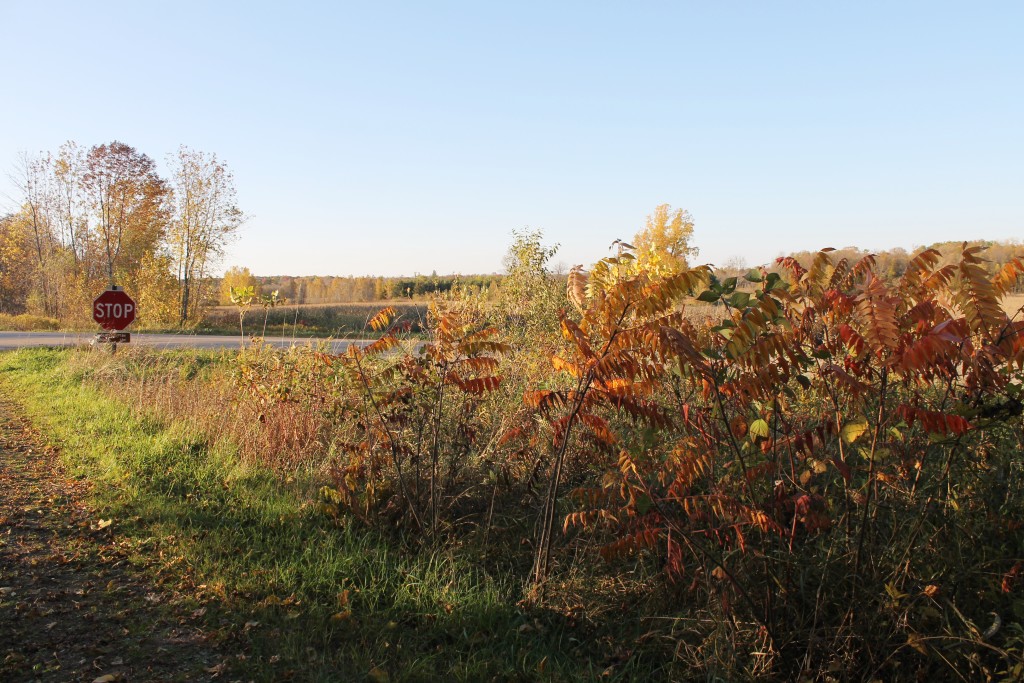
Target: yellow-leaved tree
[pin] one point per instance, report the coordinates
(235, 277)
(663, 246)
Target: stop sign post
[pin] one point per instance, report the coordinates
(113, 309)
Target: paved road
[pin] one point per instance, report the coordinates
(15, 340)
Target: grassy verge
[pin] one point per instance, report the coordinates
(307, 600)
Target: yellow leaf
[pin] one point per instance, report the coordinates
(914, 641)
(378, 675)
(759, 429)
(852, 431)
(894, 592)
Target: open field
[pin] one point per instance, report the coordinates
(310, 320)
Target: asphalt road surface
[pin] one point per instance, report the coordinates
(16, 340)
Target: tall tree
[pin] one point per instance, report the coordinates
(128, 201)
(236, 277)
(205, 217)
(70, 209)
(33, 178)
(15, 263)
(663, 246)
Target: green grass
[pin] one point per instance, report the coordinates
(253, 547)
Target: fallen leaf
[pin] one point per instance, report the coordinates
(378, 675)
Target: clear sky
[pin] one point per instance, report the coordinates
(401, 137)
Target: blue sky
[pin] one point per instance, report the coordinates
(399, 137)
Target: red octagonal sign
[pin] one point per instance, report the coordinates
(113, 310)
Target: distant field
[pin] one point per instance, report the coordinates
(309, 320)
(1013, 303)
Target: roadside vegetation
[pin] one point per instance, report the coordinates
(644, 471)
(25, 322)
(91, 218)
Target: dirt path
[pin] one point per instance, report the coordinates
(71, 607)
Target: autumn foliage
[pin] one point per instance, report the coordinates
(809, 472)
(802, 453)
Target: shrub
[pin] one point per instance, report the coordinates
(26, 322)
(815, 466)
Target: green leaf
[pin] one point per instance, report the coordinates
(852, 431)
(739, 299)
(753, 275)
(643, 504)
(759, 429)
(774, 281)
(709, 296)
(803, 381)
(729, 285)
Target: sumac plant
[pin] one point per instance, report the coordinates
(418, 424)
(816, 463)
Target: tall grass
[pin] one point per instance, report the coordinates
(340, 321)
(308, 597)
(25, 322)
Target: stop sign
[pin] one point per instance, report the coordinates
(113, 310)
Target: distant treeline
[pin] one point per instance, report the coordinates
(315, 289)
